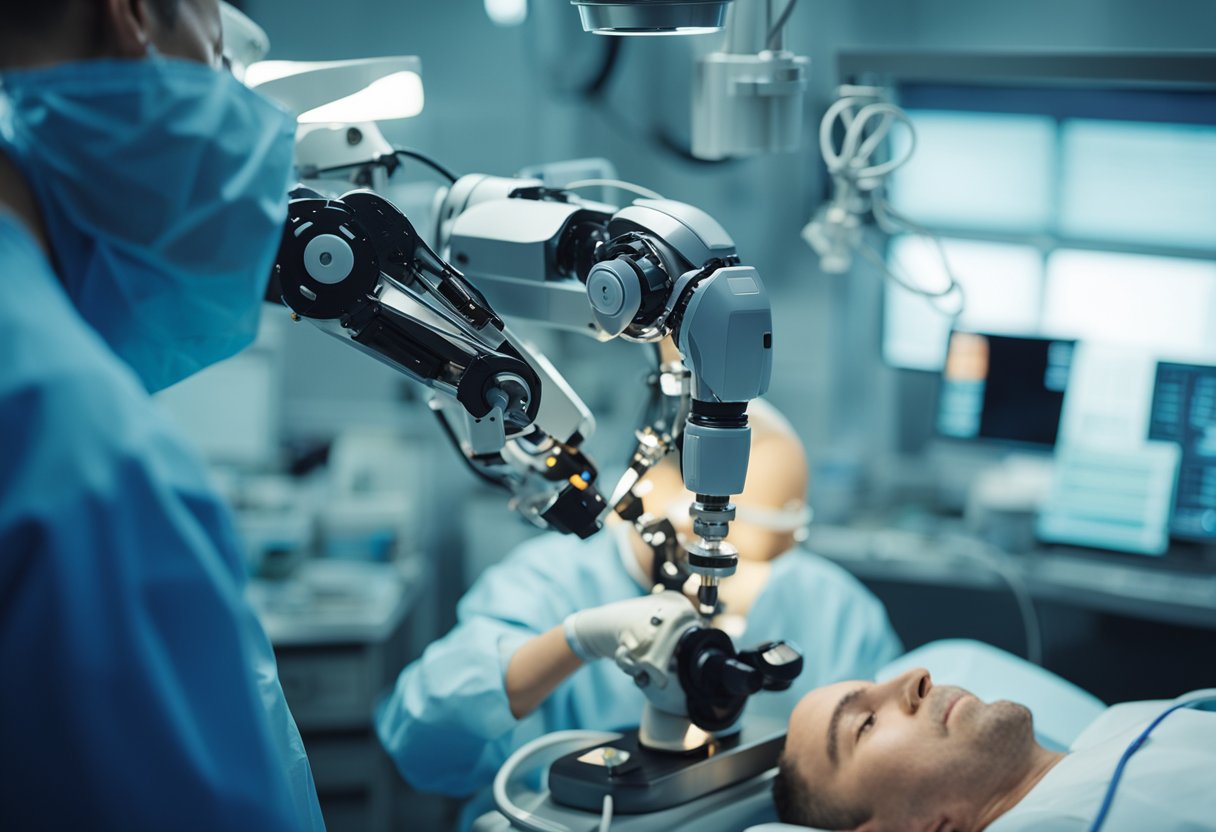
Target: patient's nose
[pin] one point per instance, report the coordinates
(914, 687)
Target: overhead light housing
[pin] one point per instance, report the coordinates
(652, 17)
(340, 104)
(343, 92)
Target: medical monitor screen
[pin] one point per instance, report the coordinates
(1073, 195)
(1184, 411)
(1005, 389)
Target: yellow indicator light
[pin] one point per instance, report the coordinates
(578, 482)
(550, 462)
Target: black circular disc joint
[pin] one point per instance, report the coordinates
(307, 220)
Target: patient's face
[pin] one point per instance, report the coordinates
(905, 752)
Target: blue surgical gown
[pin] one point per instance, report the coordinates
(448, 724)
(137, 690)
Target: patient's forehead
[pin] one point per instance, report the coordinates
(807, 734)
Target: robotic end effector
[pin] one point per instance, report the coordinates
(693, 737)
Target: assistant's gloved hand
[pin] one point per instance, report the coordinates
(597, 633)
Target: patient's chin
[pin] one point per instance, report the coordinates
(1006, 728)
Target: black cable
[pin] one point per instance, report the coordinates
(599, 82)
(419, 156)
(656, 135)
(389, 161)
(782, 19)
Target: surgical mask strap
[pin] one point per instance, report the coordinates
(795, 518)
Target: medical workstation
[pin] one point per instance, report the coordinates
(966, 252)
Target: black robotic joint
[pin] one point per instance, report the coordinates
(718, 414)
(649, 269)
(711, 562)
(779, 662)
(481, 375)
(576, 511)
(717, 680)
(715, 683)
(327, 265)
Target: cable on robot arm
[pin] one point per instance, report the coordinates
(663, 421)
(389, 161)
(454, 441)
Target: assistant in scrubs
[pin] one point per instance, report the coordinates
(507, 672)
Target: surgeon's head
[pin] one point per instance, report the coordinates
(904, 754)
(57, 31)
(772, 507)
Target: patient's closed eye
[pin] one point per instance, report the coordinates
(867, 725)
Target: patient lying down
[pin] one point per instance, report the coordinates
(906, 754)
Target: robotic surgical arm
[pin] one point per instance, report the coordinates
(652, 269)
(356, 268)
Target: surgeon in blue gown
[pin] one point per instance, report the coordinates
(508, 672)
(142, 196)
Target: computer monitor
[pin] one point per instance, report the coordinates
(1002, 388)
(1184, 412)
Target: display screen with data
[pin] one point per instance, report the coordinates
(1000, 388)
(1184, 412)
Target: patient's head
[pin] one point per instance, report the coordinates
(903, 754)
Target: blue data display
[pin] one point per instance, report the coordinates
(1184, 411)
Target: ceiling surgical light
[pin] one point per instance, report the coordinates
(507, 12)
(652, 17)
(340, 103)
(340, 92)
(398, 95)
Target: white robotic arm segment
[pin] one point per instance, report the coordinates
(721, 318)
(654, 268)
(629, 630)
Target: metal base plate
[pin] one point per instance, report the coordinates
(655, 780)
